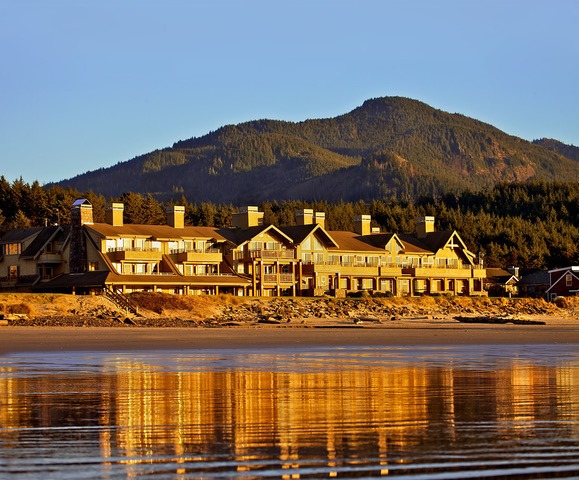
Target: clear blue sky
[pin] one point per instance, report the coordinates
(88, 84)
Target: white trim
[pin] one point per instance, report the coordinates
(573, 268)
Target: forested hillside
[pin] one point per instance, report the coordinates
(531, 225)
(387, 148)
(569, 151)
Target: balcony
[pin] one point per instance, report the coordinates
(458, 271)
(343, 268)
(281, 278)
(271, 254)
(50, 258)
(135, 254)
(209, 255)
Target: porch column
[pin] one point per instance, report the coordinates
(261, 273)
(253, 279)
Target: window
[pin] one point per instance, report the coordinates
(13, 272)
(92, 266)
(568, 280)
(13, 249)
(255, 246)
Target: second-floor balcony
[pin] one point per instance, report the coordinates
(458, 270)
(264, 254)
(208, 255)
(278, 278)
(135, 253)
(50, 258)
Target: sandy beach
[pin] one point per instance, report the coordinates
(25, 339)
(77, 323)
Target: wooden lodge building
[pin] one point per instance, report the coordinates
(248, 259)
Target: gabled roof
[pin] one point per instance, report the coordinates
(38, 244)
(435, 241)
(500, 276)
(19, 235)
(155, 231)
(240, 236)
(574, 271)
(380, 240)
(298, 233)
(414, 245)
(573, 268)
(352, 242)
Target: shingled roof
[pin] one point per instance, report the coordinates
(45, 236)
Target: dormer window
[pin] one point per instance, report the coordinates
(13, 249)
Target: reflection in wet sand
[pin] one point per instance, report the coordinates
(342, 415)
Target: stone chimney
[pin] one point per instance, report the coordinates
(247, 217)
(362, 224)
(176, 216)
(320, 219)
(304, 216)
(81, 212)
(424, 226)
(80, 215)
(114, 214)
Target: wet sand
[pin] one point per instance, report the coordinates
(33, 339)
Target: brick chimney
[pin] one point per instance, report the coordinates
(320, 219)
(176, 216)
(247, 217)
(304, 216)
(362, 224)
(114, 214)
(80, 215)
(424, 226)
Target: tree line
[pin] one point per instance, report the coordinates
(531, 225)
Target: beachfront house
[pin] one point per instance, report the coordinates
(250, 258)
(563, 282)
(31, 256)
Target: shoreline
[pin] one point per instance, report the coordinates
(15, 339)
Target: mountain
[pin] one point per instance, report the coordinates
(569, 151)
(389, 146)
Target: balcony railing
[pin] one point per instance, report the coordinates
(273, 278)
(271, 254)
(340, 263)
(195, 250)
(133, 249)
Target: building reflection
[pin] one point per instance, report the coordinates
(294, 417)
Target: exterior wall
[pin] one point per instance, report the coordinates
(564, 282)
(12, 267)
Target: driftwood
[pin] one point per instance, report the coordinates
(500, 320)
